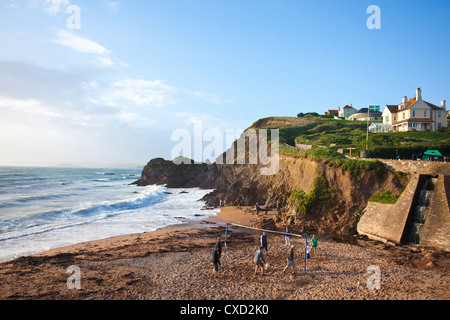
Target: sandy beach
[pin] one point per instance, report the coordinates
(174, 264)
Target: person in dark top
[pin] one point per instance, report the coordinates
(290, 260)
(215, 259)
(219, 246)
(263, 241)
(259, 260)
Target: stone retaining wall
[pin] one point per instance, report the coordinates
(436, 230)
(387, 221)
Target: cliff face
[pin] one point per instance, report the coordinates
(348, 193)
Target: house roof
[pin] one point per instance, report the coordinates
(408, 104)
(348, 107)
(333, 111)
(434, 107)
(392, 108)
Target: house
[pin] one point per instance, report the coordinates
(346, 111)
(332, 112)
(415, 114)
(364, 115)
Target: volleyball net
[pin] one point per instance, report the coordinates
(264, 230)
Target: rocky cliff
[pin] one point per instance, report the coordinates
(187, 174)
(346, 193)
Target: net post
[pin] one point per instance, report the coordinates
(226, 234)
(306, 248)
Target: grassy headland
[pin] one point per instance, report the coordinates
(328, 135)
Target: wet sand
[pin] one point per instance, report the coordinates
(174, 264)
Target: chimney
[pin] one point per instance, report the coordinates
(443, 104)
(418, 94)
(405, 99)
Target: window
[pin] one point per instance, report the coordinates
(424, 113)
(431, 114)
(439, 125)
(414, 114)
(439, 114)
(404, 115)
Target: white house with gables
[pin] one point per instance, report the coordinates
(415, 114)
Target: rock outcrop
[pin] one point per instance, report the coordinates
(188, 174)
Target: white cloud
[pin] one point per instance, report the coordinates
(112, 5)
(135, 120)
(20, 107)
(80, 44)
(105, 61)
(53, 7)
(84, 45)
(10, 4)
(207, 121)
(211, 97)
(140, 92)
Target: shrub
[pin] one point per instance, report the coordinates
(319, 194)
(384, 197)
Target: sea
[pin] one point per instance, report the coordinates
(46, 208)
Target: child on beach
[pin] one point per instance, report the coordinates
(308, 250)
(259, 260)
(287, 237)
(257, 208)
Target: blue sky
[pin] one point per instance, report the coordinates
(116, 89)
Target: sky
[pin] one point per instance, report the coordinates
(115, 81)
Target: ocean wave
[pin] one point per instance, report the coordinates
(149, 198)
(86, 213)
(22, 200)
(102, 180)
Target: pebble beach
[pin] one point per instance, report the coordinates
(173, 263)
